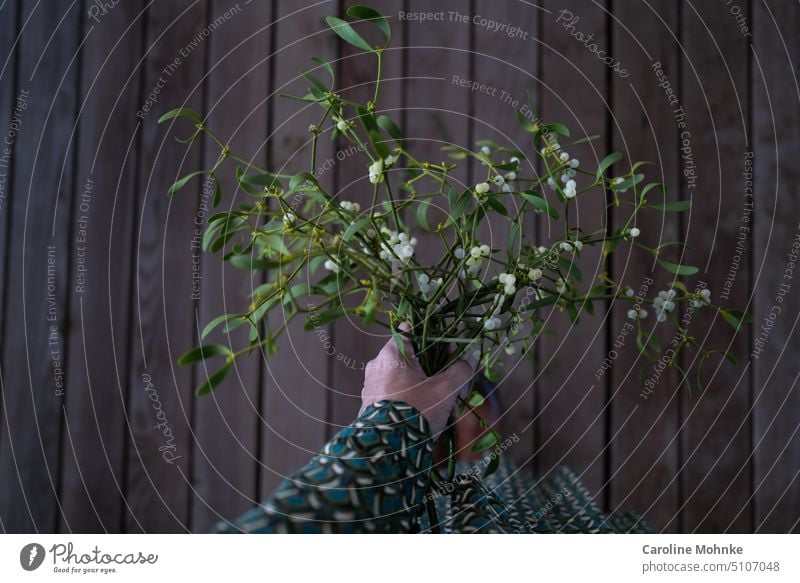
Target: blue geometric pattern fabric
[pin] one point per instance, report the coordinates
(373, 477)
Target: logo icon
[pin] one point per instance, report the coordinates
(31, 556)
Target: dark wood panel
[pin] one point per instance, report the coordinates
(38, 268)
(357, 343)
(227, 422)
(776, 396)
(8, 90)
(509, 65)
(163, 325)
(437, 109)
(100, 236)
(296, 377)
(684, 459)
(644, 424)
(8, 94)
(572, 419)
(716, 436)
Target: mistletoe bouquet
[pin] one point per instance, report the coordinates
(325, 258)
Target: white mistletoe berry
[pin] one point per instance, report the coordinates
(376, 172)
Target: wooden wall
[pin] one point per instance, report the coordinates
(101, 289)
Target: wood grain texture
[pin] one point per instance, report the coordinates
(227, 422)
(100, 235)
(644, 424)
(716, 434)
(509, 65)
(163, 325)
(723, 459)
(8, 89)
(296, 377)
(37, 271)
(776, 395)
(438, 110)
(571, 423)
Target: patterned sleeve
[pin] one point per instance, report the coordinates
(371, 477)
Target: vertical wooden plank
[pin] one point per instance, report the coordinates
(163, 320)
(8, 88)
(37, 285)
(356, 344)
(572, 418)
(776, 117)
(100, 273)
(296, 377)
(508, 63)
(644, 451)
(225, 468)
(436, 110)
(716, 436)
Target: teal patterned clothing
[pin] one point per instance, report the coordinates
(373, 477)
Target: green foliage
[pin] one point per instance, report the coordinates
(477, 298)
